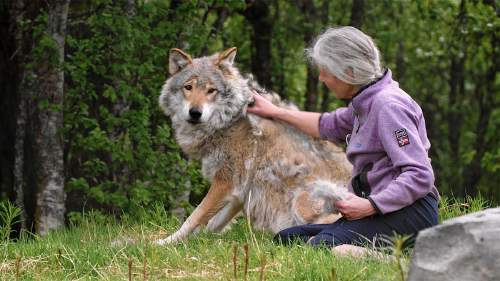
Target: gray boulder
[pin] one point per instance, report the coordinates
(462, 248)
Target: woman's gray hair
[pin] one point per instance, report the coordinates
(348, 54)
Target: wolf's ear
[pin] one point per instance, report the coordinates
(226, 57)
(177, 60)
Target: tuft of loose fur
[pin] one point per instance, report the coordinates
(292, 178)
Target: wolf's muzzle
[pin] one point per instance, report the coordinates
(194, 115)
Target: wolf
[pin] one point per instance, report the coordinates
(276, 175)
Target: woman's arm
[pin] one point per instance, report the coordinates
(308, 122)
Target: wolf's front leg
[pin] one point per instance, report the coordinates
(215, 199)
(224, 216)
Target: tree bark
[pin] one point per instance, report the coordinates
(325, 101)
(258, 15)
(310, 17)
(400, 55)
(357, 13)
(13, 108)
(280, 42)
(19, 183)
(457, 89)
(51, 196)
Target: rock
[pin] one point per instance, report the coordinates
(462, 248)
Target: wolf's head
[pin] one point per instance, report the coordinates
(206, 93)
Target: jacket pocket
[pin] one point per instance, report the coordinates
(360, 184)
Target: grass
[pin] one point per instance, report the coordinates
(98, 248)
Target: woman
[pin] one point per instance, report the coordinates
(392, 187)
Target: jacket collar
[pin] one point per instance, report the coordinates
(361, 102)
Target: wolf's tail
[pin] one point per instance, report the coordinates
(316, 202)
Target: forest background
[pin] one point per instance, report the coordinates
(80, 126)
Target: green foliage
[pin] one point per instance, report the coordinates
(120, 153)
(9, 216)
(97, 247)
(453, 207)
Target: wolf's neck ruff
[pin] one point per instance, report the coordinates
(195, 138)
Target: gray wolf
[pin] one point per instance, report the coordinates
(276, 175)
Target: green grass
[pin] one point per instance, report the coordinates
(89, 251)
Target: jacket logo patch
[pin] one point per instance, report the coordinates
(402, 137)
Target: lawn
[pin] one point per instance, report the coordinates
(96, 247)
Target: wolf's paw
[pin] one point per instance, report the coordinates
(161, 242)
(123, 241)
(169, 240)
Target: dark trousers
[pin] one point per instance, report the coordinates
(375, 230)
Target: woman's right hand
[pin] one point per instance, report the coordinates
(308, 122)
(263, 107)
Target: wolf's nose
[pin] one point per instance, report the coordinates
(195, 113)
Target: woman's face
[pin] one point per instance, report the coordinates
(341, 89)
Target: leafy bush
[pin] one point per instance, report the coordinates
(120, 149)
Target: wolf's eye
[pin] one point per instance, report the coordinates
(211, 90)
(188, 87)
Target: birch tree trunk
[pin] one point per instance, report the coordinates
(51, 197)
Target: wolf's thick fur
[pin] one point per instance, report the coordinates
(278, 176)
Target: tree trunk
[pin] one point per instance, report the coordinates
(12, 123)
(400, 55)
(19, 183)
(311, 102)
(258, 15)
(51, 196)
(357, 12)
(400, 62)
(19, 87)
(325, 101)
(455, 115)
(280, 42)
(457, 88)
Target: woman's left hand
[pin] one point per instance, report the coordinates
(353, 207)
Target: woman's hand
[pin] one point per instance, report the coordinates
(353, 207)
(263, 107)
(308, 122)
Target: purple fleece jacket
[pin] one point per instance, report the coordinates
(384, 126)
